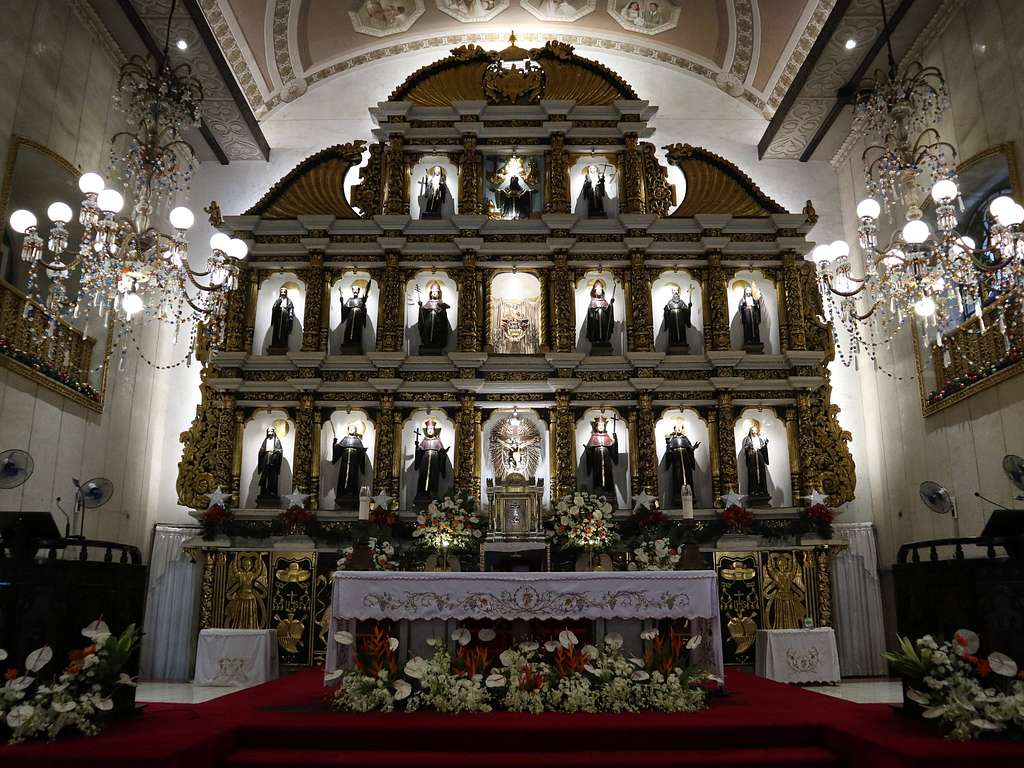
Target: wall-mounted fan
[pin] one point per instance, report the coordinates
(15, 468)
(1013, 466)
(940, 501)
(90, 495)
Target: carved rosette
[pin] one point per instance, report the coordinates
(384, 447)
(470, 173)
(564, 426)
(314, 280)
(207, 448)
(469, 305)
(389, 334)
(395, 201)
(793, 298)
(465, 446)
(647, 453)
(558, 194)
(563, 304)
(716, 288)
(726, 444)
(641, 327)
(632, 176)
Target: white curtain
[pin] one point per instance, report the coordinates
(858, 602)
(167, 646)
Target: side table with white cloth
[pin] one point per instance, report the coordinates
(236, 657)
(797, 655)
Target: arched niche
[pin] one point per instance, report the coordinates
(341, 291)
(774, 430)
(488, 429)
(691, 292)
(337, 426)
(253, 434)
(592, 167)
(408, 474)
(268, 294)
(417, 290)
(426, 178)
(620, 428)
(516, 318)
(696, 429)
(613, 293)
(769, 327)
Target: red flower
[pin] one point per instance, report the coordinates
(214, 515)
(10, 674)
(821, 514)
(737, 518)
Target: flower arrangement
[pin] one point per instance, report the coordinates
(738, 519)
(820, 517)
(79, 698)
(216, 516)
(449, 522)
(382, 555)
(969, 695)
(656, 555)
(560, 676)
(296, 516)
(583, 519)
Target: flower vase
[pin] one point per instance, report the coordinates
(442, 559)
(585, 562)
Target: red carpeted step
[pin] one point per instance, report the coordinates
(801, 757)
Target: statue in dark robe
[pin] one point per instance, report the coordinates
(755, 455)
(677, 322)
(601, 457)
(268, 467)
(282, 317)
(600, 318)
(680, 461)
(514, 200)
(594, 193)
(433, 324)
(430, 462)
(434, 194)
(353, 318)
(750, 316)
(351, 453)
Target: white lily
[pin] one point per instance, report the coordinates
(21, 683)
(495, 680)
(393, 643)
(402, 690)
(433, 641)
(986, 725)
(567, 638)
(126, 679)
(613, 640)
(968, 639)
(38, 659)
(1002, 664)
(3, 654)
(462, 636)
(529, 645)
(636, 662)
(64, 706)
(20, 715)
(416, 668)
(486, 635)
(589, 651)
(693, 642)
(507, 657)
(104, 705)
(550, 646)
(917, 697)
(345, 638)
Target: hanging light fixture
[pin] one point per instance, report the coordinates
(920, 274)
(127, 266)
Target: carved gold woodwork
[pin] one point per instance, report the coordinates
(632, 176)
(563, 429)
(313, 278)
(641, 326)
(208, 448)
(469, 330)
(314, 187)
(795, 476)
(391, 323)
(563, 304)
(714, 185)
(385, 476)
(659, 194)
(557, 188)
(726, 438)
(647, 454)
(716, 293)
(793, 300)
(467, 447)
(368, 194)
(471, 193)
(396, 186)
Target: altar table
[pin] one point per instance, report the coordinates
(609, 597)
(797, 655)
(236, 657)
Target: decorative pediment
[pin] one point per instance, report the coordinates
(714, 185)
(552, 72)
(315, 187)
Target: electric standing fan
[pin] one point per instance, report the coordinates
(939, 500)
(15, 468)
(90, 495)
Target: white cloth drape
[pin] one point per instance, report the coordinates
(170, 606)
(797, 655)
(858, 602)
(237, 657)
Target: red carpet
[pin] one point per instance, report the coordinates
(284, 723)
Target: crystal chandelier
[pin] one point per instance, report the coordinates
(921, 273)
(127, 266)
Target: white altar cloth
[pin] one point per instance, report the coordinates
(236, 657)
(797, 655)
(423, 596)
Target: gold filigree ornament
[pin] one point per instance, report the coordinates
(289, 632)
(513, 78)
(293, 574)
(281, 428)
(742, 630)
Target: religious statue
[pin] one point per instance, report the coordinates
(755, 455)
(268, 467)
(680, 460)
(516, 326)
(282, 317)
(602, 455)
(784, 591)
(353, 318)
(677, 321)
(594, 193)
(513, 184)
(514, 200)
(600, 319)
(351, 452)
(430, 462)
(434, 197)
(515, 448)
(246, 592)
(432, 324)
(750, 316)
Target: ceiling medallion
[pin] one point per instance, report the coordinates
(472, 11)
(646, 17)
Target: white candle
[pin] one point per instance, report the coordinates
(364, 504)
(687, 503)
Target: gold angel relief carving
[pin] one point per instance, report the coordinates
(247, 592)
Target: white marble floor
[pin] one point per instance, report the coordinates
(859, 690)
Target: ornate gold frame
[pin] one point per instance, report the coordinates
(1008, 151)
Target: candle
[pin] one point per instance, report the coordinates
(364, 504)
(687, 503)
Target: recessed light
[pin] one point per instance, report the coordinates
(183, 45)
(851, 44)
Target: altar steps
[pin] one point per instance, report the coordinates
(766, 757)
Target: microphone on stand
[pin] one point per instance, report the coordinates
(995, 503)
(67, 520)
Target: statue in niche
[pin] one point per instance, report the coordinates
(750, 316)
(680, 460)
(602, 456)
(516, 326)
(282, 318)
(513, 184)
(594, 195)
(353, 318)
(434, 197)
(515, 448)
(600, 319)
(268, 467)
(351, 452)
(430, 461)
(432, 324)
(755, 456)
(677, 320)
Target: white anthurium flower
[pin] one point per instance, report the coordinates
(486, 635)
(636, 662)
(934, 712)
(416, 668)
(649, 634)
(345, 638)
(567, 638)
(402, 690)
(640, 675)
(98, 627)
(968, 640)
(613, 640)
(104, 705)
(330, 677)
(393, 643)
(589, 651)
(64, 706)
(693, 642)
(21, 683)
(529, 645)
(550, 646)
(592, 669)
(3, 654)
(433, 641)
(38, 659)
(462, 636)
(126, 679)
(20, 715)
(495, 680)
(917, 697)
(985, 725)
(507, 657)
(1002, 664)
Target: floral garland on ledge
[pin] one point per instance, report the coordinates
(965, 380)
(560, 676)
(50, 371)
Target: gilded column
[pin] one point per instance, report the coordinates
(641, 325)
(253, 289)
(716, 469)
(647, 454)
(717, 291)
(465, 445)
(236, 460)
(789, 418)
(236, 315)
(727, 444)
(389, 328)
(632, 176)
(564, 474)
(395, 202)
(470, 174)
(558, 197)
(634, 450)
(470, 300)
(316, 425)
(823, 563)
(794, 301)
(804, 446)
(563, 304)
(302, 464)
(311, 321)
(325, 312)
(384, 447)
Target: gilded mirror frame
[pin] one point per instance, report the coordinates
(929, 407)
(12, 299)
